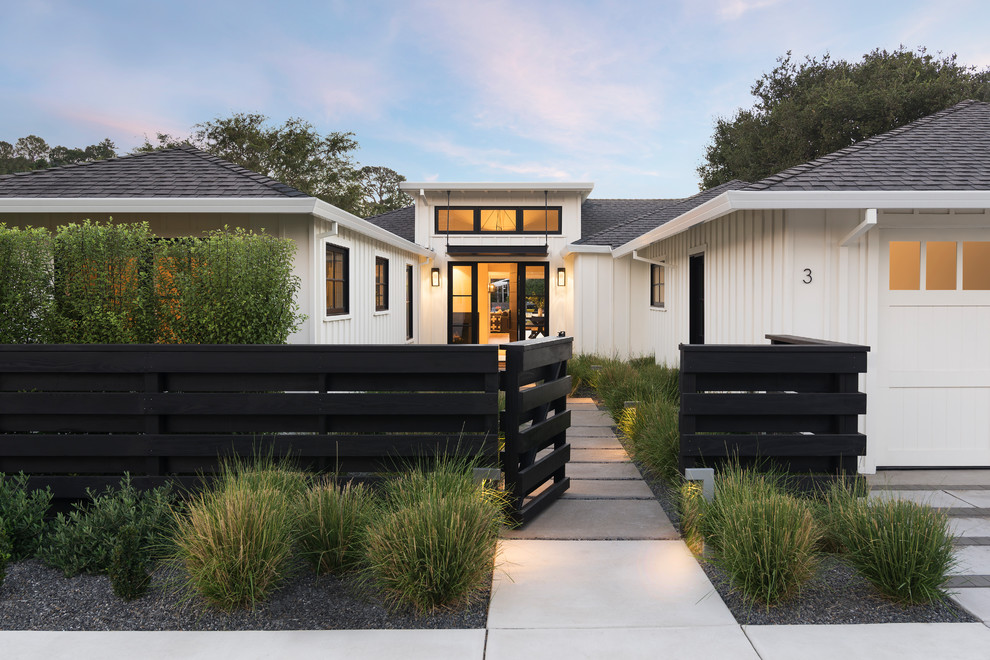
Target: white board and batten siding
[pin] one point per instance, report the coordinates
(613, 316)
(785, 272)
(363, 324)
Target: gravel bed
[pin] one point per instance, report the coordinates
(36, 597)
(837, 594)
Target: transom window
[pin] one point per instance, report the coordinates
(337, 284)
(941, 260)
(498, 220)
(381, 284)
(656, 285)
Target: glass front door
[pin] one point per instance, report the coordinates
(497, 302)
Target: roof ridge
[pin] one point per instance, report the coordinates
(857, 147)
(257, 177)
(89, 162)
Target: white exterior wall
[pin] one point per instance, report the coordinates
(433, 311)
(612, 314)
(362, 325)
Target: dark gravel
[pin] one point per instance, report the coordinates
(35, 597)
(837, 594)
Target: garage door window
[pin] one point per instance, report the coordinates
(941, 259)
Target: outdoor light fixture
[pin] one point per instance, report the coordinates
(561, 277)
(435, 276)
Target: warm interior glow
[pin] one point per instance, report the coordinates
(537, 219)
(561, 277)
(905, 265)
(976, 265)
(435, 276)
(940, 265)
(498, 220)
(460, 220)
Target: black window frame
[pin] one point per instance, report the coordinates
(381, 284)
(657, 289)
(343, 308)
(519, 220)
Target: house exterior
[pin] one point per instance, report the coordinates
(885, 243)
(359, 282)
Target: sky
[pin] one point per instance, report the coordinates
(621, 94)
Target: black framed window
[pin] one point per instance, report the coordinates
(409, 302)
(381, 284)
(498, 220)
(656, 285)
(337, 280)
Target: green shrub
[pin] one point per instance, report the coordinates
(734, 487)
(654, 433)
(434, 545)
(129, 564)
(5, 549)
(235, 540)
(26, 285)
(83, 541)
(23, 513)
(332, 526)
(903, 548)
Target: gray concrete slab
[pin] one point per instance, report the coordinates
(608, 489)
(969, 526)
(717, 643)
(582, 406)
(596, 442)
(974, 601)
(608, 584)
(582, 455)
(889, 641)
(590, 432)
(930, 477)
(598, 520)
(591, 418)
(972, 560)
(603, 471)
(936, 498)
(407, 644)
(978, 498)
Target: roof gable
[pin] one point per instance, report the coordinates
(170, 173)
(401, 222)
(949, 150)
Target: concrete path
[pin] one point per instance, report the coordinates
(602, 573)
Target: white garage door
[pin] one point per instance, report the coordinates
(932, 402)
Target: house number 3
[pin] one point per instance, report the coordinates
(807, 276)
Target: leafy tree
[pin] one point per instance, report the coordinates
(34, 153)
(293, 153)
(380, 186)
(807, 110)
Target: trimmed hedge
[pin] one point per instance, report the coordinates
(119, 284)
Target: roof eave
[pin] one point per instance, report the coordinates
(746, 200)
(414, 188)
(331, 213)
(156, 204)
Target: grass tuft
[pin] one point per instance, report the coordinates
(333, 526)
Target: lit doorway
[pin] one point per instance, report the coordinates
(497, 302)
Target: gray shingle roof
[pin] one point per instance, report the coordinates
(401, 222)
(949, 150)
(597, 215)
(178, 172)
(636, 226)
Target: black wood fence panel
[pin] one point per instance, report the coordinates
(793, 404)
(535, 424)
(80, 415)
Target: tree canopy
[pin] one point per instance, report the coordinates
(296, 154)
(813, 108)
(33, 153)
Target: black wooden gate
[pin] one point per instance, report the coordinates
(535, 423)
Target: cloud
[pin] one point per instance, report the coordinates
(731, 10)
(496, 160)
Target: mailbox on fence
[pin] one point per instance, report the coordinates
(794, 403)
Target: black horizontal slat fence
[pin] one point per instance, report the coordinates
(74, 416)
(794, 404)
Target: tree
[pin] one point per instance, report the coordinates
(293, 153)
(804, 111)
(380, 188)
(33, 153)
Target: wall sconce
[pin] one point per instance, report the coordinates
(435, 276)
(561, 277)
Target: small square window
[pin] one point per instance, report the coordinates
(905, 265)
(976, 265)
